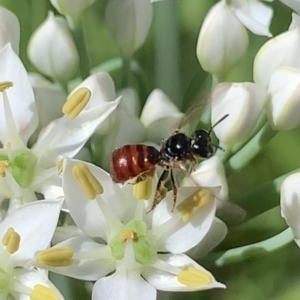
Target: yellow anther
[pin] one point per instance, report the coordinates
(11, 240)
(87, 181)
(5, 85)
(76, 102)
(60, 166)
(56, 256)
(192, 276)
(41, 292)
(142, 190)
(191, 205)
(3, 166)
(128, 234)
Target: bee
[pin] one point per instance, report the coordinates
(137, 161)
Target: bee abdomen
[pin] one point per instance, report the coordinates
(130, 161)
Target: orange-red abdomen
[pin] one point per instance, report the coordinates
(130, 161)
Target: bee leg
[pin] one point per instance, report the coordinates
(192, 164)
(174, 187)
(161, 191)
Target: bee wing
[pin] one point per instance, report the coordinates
(202, 102)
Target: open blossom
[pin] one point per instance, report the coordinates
(136, 244)
(25, 171)
(24, 232)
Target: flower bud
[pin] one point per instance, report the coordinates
(290, 204)
(130, 101)
(71, 7)
(52, 50)
(9, 29)
(244, 103)
(159, 116)
(280, 51)
(284, 103)
(222, 41)
(128, 22)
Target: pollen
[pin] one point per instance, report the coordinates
(142, 190)
(5, 85)
(56, 256)
(128, 234)
(41, 292)
(191, 276)
(87, 181)
(76, 103)
(3, 167)
(11, 240)
(191, 205)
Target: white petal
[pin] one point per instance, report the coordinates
(255, 15)
(164, 278)
(20, 96)
(129, 102)
(174, 235)
(87, 213)
(290, 203)
(35, 222)
(215, 235)
(9, 29)
(123, 285)
(63, 233)
(96, 263)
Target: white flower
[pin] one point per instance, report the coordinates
(281, 51)
(129, 22)
(135, 243)
(26, 171)
(290, 204)
(244, 103)
(52, 51)
(9, 29)
(284, 103)
(71, 7)
(28, 230)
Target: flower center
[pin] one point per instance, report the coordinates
(4, 280)
(137, 232)
(20, 163)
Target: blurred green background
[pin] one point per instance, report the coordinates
(169, 61)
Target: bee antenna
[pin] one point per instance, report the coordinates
(217, 147)
(213, 126)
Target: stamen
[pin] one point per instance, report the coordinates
(5, 85)
(76, 103)
(4, 280)
(191, 205)
(87, 181)
(3, 167)
(128, 234)
(60, 166)
(41, 292)
(192, 276)
(56, 256)
(11, 240)
(142, 190)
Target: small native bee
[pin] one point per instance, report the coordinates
(137, 161)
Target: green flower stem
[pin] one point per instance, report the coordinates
(167, 76)
(75, 24)
(267, 195)
(250, 150)
(263, 247)
(126, 72)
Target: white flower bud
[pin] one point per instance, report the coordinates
(71, 7)
(290, 204)
(130, 101)
(222, 41)
(159, 116)
(281, 51)
(244, 103)
(52, 51)
(128, 22)
(9, 29)
(284, 105)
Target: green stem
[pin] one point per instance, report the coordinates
(167, 76)
(75, 24)
(126, 70)
(263, 247)
(269, 200)
(250, 150)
